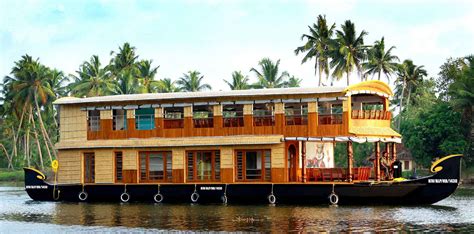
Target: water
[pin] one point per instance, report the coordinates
(18, 213)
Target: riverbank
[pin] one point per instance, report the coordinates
(12, 176)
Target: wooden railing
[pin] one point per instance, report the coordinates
(233, 121)
(296, 119)
(173, 123)
(337, 174)
(203, 123)
(325, 119)
(371, 114)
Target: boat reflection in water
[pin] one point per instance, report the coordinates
(250, 218)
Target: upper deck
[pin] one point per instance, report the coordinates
(359, 110)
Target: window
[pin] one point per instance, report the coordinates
(203, 117)
(253, 165)
(145, 119)
(233, 115)
(296, 113)
(89, 167)
(263, 114)
(174, 117)
(93, 120)
(120, 120)
(155, 166)
(406, 165)
(204, 165)
(330, 112)
(118, 166)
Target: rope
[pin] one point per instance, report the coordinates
(54, 187)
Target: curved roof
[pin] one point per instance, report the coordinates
(371, 86)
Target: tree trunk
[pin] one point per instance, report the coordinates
(401, 106)
(347, 78)
(379, 74)
(43, 129)
(9, 158)
(40, 153)
(408, 98)
(17, 135)
(47, 147)
(320, 78)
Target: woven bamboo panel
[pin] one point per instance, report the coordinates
(130, 159)
(248, 109)
(70, 165)
(178, 158)
(73, 123)
(104, 166)
(312, 107)
(279, 108)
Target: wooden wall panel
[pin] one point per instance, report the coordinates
(178, 155)
(129, 176)
(227, 175)
(312, 124)
(178, 176)
(104, 166)
(278, 175)
(70, 166)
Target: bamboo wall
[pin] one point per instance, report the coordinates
(73, 123)
(71, 165)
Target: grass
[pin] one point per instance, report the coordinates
(11, 176)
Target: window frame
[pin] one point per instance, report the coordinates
(167, 172)
(152, 119)
(115, 167)
(264, 177)
(216, 177)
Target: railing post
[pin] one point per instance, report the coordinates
(303, 156)
(377, 161)
(349, 160)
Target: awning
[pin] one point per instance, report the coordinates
(346, 139)
(369, 131)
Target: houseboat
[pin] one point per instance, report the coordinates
(242, 146)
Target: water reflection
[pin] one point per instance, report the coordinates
(452, 214)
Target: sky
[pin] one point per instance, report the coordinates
(218, 37)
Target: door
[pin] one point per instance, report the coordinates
(89, 168)
(292, 163)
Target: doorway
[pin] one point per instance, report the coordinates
(292, 163)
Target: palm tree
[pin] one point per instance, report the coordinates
(408, 77)
(293, 82)
(93, 80)
(348, 50)
(124, 59)
(380, 60)
(192, 82)
(26, 88)
(239, 81)
(317, 46)
(269, 76)
(124, 69)
(462, 97)
(146, 75)
(166, 85)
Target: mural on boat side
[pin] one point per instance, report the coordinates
(319, 155)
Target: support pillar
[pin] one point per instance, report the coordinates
(349, 160)
(377, 161)
(303, 156)
(394, 152)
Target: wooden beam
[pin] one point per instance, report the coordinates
(377, 161)
(349, 160)
(303, 156)
(394, 152)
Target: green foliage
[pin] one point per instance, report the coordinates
(317, 46)
(347, 50)
(239, 81)
(192, 82)
(380, 61)
(269, 76)
(6, 176)
(433, 131)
